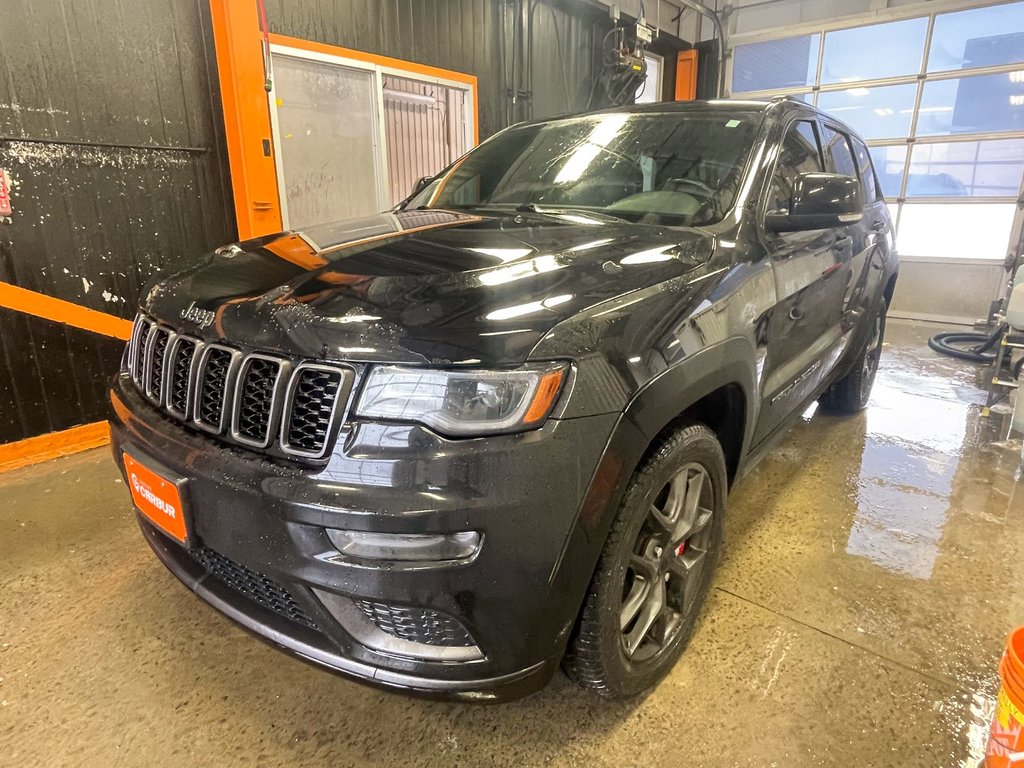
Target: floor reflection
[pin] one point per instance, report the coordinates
(911, 452)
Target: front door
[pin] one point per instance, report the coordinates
(812, 270)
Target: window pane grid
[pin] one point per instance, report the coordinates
(942, 113)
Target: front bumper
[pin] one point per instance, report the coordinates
(518, 598)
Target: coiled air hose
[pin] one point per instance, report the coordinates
(973, 347)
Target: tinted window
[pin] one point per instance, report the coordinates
(678, 169)
(800, 153)
(837, 150)
(867, 172)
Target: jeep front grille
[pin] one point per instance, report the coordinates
(252, 399)
(140, 337)
(257, 391)
(156, 357)
(212, 389)
(182, 357)
(312, 401)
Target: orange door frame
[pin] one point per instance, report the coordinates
(243, 94)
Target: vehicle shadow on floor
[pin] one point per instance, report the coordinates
(224, 674)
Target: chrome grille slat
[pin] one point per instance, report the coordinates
(181, 372)
(213, 385)
(139, 358)
(257, 401)
(311, 407)
(256, 396)
(157, 345)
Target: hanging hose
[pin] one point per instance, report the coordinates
(973, 347)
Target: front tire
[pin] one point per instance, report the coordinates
(655, 570)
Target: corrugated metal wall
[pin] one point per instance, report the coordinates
(111, 133)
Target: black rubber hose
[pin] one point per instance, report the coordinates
(951, 343)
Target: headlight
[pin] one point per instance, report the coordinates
(470, 402)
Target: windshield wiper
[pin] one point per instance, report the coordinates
(476, 207)
(556, 211)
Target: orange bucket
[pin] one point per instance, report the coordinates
(1006, 743)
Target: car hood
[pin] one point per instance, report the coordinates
(432, 286)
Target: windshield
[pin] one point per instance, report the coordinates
(664, 168)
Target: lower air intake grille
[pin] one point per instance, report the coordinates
(314, 396)
(258, 383)
(252, 584)
(417, 625)
(213, 388)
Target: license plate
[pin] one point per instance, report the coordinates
(157, 498)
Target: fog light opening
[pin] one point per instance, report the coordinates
(410, 548)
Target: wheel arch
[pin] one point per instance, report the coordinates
(890, 289)
(709, 386)
(715, 387)
(703, 387)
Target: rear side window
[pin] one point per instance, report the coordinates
(800, 154)
(867, 171)
(838, 153)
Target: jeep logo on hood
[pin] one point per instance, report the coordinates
(201, 317)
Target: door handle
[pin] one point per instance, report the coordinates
(842, 242)
(878, 226)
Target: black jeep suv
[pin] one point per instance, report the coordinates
(446, 448)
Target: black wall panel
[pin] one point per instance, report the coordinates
(52, 376)
(476, 37)
(112, 134)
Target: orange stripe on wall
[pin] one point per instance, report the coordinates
(53, 445)
(58, 310)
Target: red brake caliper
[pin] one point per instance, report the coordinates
(681, 548)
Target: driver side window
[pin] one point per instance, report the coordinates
(800, 153)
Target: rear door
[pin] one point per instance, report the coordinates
(878, 233)
(811, 271)
(839, 158)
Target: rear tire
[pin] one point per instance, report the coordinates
(655, 570)
(851, 393)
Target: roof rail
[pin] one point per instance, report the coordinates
(786, 97)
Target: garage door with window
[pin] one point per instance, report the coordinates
(939, 99)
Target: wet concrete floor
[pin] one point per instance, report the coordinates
(872, 569)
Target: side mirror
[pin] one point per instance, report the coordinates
(420, 185)
(820, 201)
